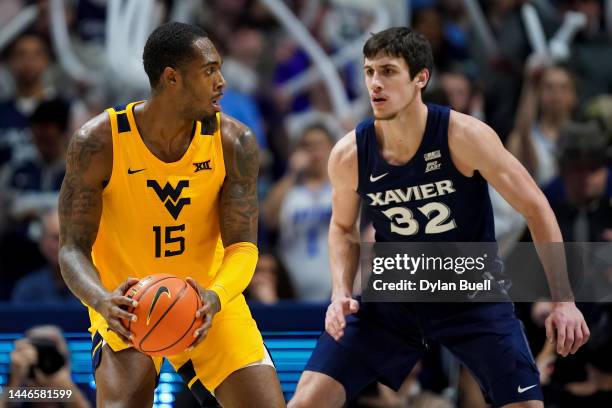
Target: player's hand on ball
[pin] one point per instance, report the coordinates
(566, 326)
(335, 320)
(210, 306)
(112, 306)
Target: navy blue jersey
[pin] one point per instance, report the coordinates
(426, 199)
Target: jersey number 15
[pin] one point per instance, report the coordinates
(173, 244)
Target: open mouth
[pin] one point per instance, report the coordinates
(216, 101)
(378, 99)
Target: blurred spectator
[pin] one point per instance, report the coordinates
(428, 20)
(299, 207)
(240, 65)
(501, 71)
(30, 184)
(461, 93)
(28, 60)
(591, 53)
(46, 284)
(548, 100)
(41, 360)
(8, 10)
(320, 110)
(270, 282)
(581, 196)
(596, 389)
(600, 110)
(583, 379)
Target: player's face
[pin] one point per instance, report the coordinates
(389, 85)
(203, 82)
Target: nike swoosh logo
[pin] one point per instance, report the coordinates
(160, 291)
(522, 390)
(130, 171)
(373, 179)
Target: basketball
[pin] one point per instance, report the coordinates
(166, 314)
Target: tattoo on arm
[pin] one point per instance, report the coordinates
(80, 204)
(80, 208)
(238, 206)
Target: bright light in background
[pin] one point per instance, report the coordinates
(166, 397)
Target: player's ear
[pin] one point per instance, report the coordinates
(170, 76)
(422, 78)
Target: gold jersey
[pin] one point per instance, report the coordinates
(160, 217)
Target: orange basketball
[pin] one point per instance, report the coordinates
(166, 314)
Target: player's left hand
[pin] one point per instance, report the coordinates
(210, 306)
(566, 326)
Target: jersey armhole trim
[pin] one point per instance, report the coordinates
(447, 150)
(218, 148)
(112, 117)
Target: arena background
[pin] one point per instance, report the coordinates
(538, 72)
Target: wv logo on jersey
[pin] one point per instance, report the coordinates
(169, 196)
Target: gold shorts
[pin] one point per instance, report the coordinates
(232, 342)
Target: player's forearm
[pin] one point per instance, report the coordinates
(549, 245)
(235, 272)
(80, 275)
(344, 258)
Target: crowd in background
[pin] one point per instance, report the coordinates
(553, 114)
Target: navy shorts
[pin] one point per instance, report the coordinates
(383, 341)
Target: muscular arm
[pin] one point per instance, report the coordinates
(343, 231)
(475, 146)
(238, 205)
(88, 167)
(238, 213)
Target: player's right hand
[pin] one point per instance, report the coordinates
(113, 307)
(335, 318)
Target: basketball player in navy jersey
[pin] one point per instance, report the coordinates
(410, 144)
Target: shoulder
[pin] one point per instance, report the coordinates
(470, 137)
(95, 134)
(235, 133)
(239, 146)
(345, 150)
(464, 128)
(343, 160)
(92, 143)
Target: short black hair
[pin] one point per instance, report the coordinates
(56, 111)
(169, 45)
(405, 43)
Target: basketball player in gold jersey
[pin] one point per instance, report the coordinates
(168, 185)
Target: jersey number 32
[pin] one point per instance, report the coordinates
(403, 222)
